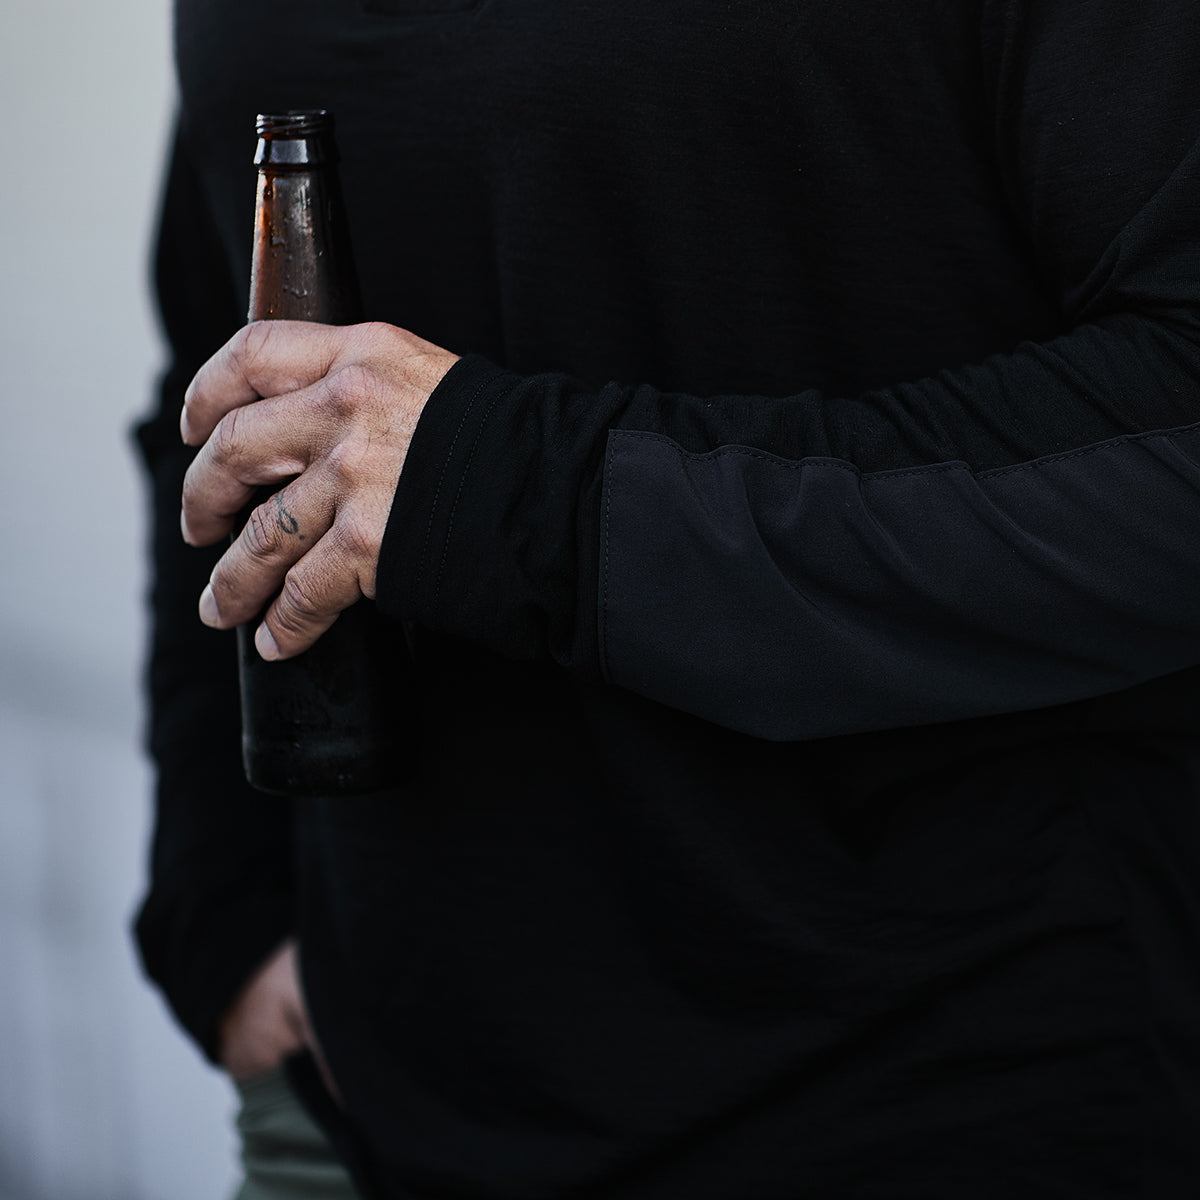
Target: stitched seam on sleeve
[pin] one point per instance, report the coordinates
(903, 473)
(1084, 451)
(609, 486)
(462, 480)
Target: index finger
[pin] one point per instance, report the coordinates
(264, 358)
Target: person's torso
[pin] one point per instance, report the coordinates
(604, 950)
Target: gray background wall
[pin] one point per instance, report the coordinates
(99, 1095)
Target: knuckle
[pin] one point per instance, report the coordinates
(353, 539)
(225, 437)
(349, 385)
(250, 344)
(343, 463)
(377, 333)
(261, 532)
(297, 603)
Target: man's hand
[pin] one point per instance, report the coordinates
(331, 408)
(268, 1021)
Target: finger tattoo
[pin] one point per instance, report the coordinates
(287, 522)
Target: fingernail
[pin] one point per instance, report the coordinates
(183, 529)
(183, 413)
(209, 613)
(265, 643)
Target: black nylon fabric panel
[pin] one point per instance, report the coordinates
(804, 599)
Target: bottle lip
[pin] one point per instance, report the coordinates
(299, 138)
(295, 123)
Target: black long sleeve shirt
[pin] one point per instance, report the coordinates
(804, 561)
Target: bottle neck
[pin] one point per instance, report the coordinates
(290, 153)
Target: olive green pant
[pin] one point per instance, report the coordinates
(285, 1155)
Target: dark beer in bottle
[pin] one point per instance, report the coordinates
(329, 721)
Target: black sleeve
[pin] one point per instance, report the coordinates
(219, 900)
(1010, 534)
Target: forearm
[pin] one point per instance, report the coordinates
(999, 535)
(798, 597)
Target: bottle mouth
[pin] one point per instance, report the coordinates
(302, 138)
(296, 123)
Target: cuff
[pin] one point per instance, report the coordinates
(494, 530)
(444, 548)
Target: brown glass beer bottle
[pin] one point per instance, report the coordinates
(329, 721)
